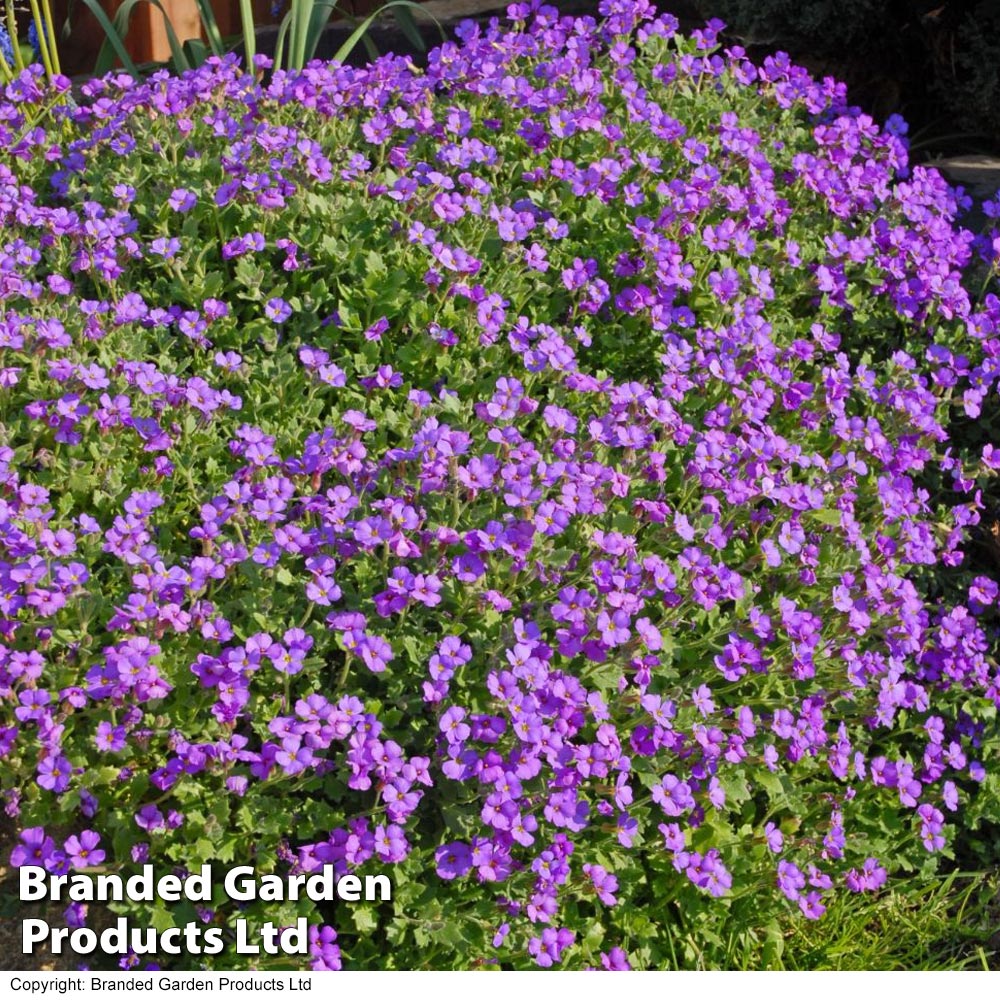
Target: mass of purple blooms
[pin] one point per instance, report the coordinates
(525, 477)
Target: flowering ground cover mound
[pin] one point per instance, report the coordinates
(520, 477)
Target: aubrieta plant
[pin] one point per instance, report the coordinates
(525, 477)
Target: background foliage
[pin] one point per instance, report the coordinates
(545, 478)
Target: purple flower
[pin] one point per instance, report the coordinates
(35, 848)
(673, 795)
(54, 773)
(547, 950)
(324, 953)
(150, 819)
(82, 849)
(277, 310)
(375, 331)
(110, 738)
(182, 200)
(774, 837)
(455, 730)
(453, 860)
(75, 915)
(615, 960)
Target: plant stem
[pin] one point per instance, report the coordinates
(342, 676)
(50, 37)
(12, 34)
(249, 35)
(43, 41)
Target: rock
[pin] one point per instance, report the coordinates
(979, 174)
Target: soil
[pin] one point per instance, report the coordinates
(12, 959)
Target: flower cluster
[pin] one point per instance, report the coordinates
(522, 477)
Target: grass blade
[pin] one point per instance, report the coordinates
(370, 47)
(319, 16)
(177, 55)
(348, 47)
(403, 16)
(112, 41)
(303, 13)
(249, 35)
(43, 38)
(12, 35)
(50, 36)
(196, 51)
(124, 16)
(211, 26)
(279, 45)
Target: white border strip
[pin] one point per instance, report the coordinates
(585, 985)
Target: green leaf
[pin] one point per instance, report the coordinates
(774, 946)
(736, 787)
(196, 51)
(161, 918)
(826, 516)
(364, 918)
(121, 25)
(451, 403)
(348, 47)
(450, 932)
(249, 33)
(113, 43)
(408, 25)
(207, 14)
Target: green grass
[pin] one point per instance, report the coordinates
(948, 923)
(951, 923)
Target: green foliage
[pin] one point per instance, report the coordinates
(307, 217)
(45, 32)
(298, 35)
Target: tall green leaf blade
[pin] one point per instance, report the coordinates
(12, 35)
(112, 44)
(211, 26)
(121, 24)
(196, 51)
(403, 16)
(359, 32)
(249, 34)
(300, 11)
(370, 47)
(319, 17)
(279, 45)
